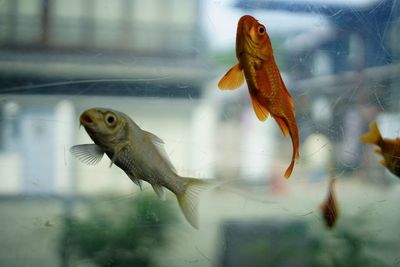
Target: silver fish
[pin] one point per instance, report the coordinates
(140, 154)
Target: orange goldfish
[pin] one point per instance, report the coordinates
(268, 93)
(329, 208)
(388, 148)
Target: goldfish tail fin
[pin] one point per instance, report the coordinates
(373, 136)
(290, 127)
(261, 111)
(295, 157)
(289, 170)
(189, 199)
(232, 79)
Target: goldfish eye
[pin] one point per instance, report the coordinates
(110, 119)
(261, 30)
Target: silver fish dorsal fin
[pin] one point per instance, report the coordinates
(159, 191)
(90, 154)
(159, 145)
(154, 137)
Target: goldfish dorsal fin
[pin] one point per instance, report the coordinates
(289, 97)
(159, 145)
(282, 124)
(159, 191)
(261, 111)
(90, 154)
(232, 79)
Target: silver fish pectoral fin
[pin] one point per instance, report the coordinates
(113, 160)
(90, 154)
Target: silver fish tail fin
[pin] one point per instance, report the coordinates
(189, 198)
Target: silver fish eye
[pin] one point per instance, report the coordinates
(110, 119)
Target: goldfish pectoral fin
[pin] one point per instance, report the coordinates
(90, 154)
(232, 79)
(159, 191)
(189, 199)
(282, 124)
(159, 145)
(373, 136)
(378, 150)
(261, 111)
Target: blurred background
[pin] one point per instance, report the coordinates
(159, 61)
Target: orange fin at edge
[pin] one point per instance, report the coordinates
(232, 79)
(373, 136)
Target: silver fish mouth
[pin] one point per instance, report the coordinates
(85, 119)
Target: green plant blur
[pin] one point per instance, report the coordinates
(117, 233)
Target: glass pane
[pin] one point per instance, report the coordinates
(109, 107)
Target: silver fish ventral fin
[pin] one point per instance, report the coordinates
(159, 191)
(90, 154)
(159, 145)
(136, 181)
